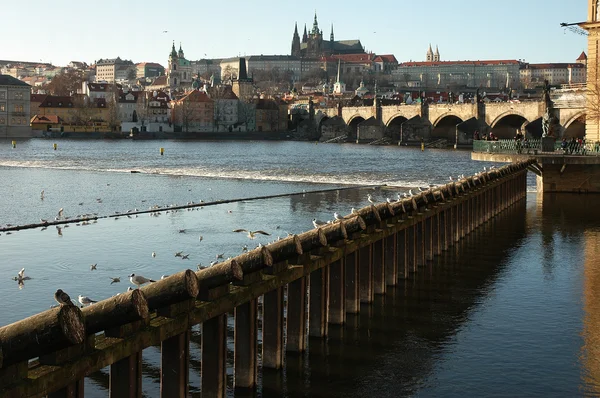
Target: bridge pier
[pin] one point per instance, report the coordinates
(245, 345)
(214, 356)
(365, 273)
(401, 254)
(390, 262)
(296, 316)
(378, 267)
(318, 298)
(272, 329)
(352, 290)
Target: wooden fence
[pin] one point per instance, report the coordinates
(327, 272)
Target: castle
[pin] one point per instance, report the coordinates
(313, 45)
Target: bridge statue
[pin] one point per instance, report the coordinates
(548, 120)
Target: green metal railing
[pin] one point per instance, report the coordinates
(534, 147)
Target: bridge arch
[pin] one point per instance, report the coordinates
(506, 124)
(445, 127)
(393, 128)
(575, 126)
(353, 123)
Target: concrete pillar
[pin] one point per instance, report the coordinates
(378, 267)
(246, 345)
(352, 283)
(272, 329)
(317, 322)
(390, 261)
(174, 366)
(296, 316)
(214, 357)
(337, 300)
(126, 377)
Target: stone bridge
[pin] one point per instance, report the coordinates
(456, 122)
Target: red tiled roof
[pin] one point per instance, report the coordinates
(354, 57)
(474, 63)
(37, 97)
(386, 58)
(582, 57)
(195, 96)
(160, 81)
(554, 66)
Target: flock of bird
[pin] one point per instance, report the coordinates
(62, 298)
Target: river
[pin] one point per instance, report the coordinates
(511, 311)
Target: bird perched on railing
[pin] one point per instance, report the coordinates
(85, 300)
(139, 280)
(318, 223)
(62, 298)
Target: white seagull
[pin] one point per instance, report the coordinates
(21, 274)
(318, 223)
(85, 300)
(252, 234)
(153, 254)
(370, 199)
(337, 216)
(139, 280)
(60, 213)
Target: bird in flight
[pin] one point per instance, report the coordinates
(114, 280)
(252, 234)
(62, 298)
(165, 31)
(93, 267)
(139, 280)
(85, 300)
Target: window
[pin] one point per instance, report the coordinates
(18, 108)
(2, 107)
(18, 95)
(2, 120)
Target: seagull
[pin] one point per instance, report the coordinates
(21, 274)
(164, 276)
(185, 257)
(60, 213)
(139, 280)
(214, 262)
(318, 223)
(129, 289)
(62, 298)
(85, 300)
(388, 200)
(337, 216)
(218, 256)
(410, 192)
(244, 248)
(153, 254)
(42, 195)
(59, 230)
(93, 267)
(200, 238)
(114, 280)
(178, 254)
(201, 267)
(353, 211)
(370, 199)
(251, 234)
(43, 221)
(451, 179)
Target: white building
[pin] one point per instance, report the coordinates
(556, 73)
(111, 70)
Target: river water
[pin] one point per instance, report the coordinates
(510, 311)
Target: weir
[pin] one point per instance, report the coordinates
(327, 273)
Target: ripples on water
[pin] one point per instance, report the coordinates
(511, 311)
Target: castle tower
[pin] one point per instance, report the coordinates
(296, 51)
(436, 56)
(429, 57)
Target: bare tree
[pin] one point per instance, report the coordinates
(142, 110)
(592, 97)
(66, 83)
(83, 110)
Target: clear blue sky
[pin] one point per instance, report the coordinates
(62, 30)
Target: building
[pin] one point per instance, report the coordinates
(592, 25)
(281, 63)
(533, 75)
(243, 86)
(75, 110)
(149, 69)
(271, 115)
(206, 67)
(194, 112)
(313, 45)
(431, 56)
(14, 108)
(111, 70)
(442, 74)
(226, 106)
(179, 70)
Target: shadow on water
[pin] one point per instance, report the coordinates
(392, 346)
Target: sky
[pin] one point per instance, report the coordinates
(135, 29)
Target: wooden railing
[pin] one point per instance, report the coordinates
(340, 265)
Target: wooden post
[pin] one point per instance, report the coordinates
(435, 235)
(337, 300)
(410, 249)
(214, 357)
(428, 238)
(365, 266)
(420, 244)
(317, 324)
(390, 260)
(74, 390)
(126, 377)
(401, 254)
(296, 316)
(352, 283)
(245, 343)
(174, 366)
(378, 268)
(272, 329)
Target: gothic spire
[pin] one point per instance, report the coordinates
(305, 35)
(315, 29)
(331, 36)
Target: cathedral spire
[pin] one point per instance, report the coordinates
(315, 29)
(173, 51)
(305, 35)
(331, 36)
(296, 52)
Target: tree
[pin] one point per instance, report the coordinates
(142, 110)
(592, 108)
(66, 83)
(131, 74)
(83, 110)
(112, 106)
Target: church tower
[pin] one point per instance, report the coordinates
(315, 40)
(436, 56)
(296, 52)
(173, 79)
(429, 57)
